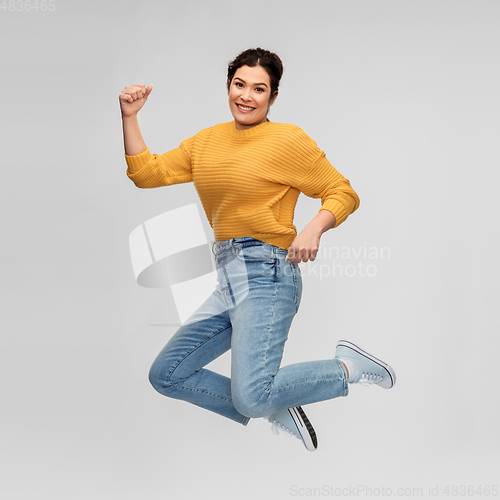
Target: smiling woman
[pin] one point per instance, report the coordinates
(248, 174)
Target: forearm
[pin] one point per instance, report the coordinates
(132, 137)
(323, 221)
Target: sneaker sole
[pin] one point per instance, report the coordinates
(307, 433)
(390, 371)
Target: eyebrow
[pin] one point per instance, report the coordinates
(238, 78)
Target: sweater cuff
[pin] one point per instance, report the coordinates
(136, 162)
(337, 209)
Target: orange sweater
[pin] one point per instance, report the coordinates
(249, 180)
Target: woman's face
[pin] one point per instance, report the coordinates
(250, 96)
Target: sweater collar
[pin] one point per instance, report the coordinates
(249, 132)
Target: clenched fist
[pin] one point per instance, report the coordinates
(133, 97)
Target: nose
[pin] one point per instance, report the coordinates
(245, 94)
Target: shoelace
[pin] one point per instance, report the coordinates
(369, 379)
(276, 427)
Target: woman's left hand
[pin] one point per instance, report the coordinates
(305, 246)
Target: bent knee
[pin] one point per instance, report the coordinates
(160, 380)
(250, 406)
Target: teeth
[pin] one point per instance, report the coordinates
(243, 107)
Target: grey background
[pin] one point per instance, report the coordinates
(402, 96)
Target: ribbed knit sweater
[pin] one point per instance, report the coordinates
(249, 180)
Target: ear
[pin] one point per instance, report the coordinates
(273, 98)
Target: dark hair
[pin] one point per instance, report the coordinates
(258, 57)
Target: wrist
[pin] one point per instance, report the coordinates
(316, 227)
(323, 221)
(130, 116)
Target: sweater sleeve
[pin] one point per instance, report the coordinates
(148, 170)
(323, 181)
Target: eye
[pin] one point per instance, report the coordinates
(238, 84)
(260, 89)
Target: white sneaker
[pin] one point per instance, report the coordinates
(294, 422)
(370, 370)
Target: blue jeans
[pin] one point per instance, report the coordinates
(250, 311)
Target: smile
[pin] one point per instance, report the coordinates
(244, 108)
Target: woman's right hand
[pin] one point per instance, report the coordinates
(133, 97)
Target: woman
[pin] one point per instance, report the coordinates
(249, 173)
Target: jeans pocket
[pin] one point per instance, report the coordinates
(255, 253)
